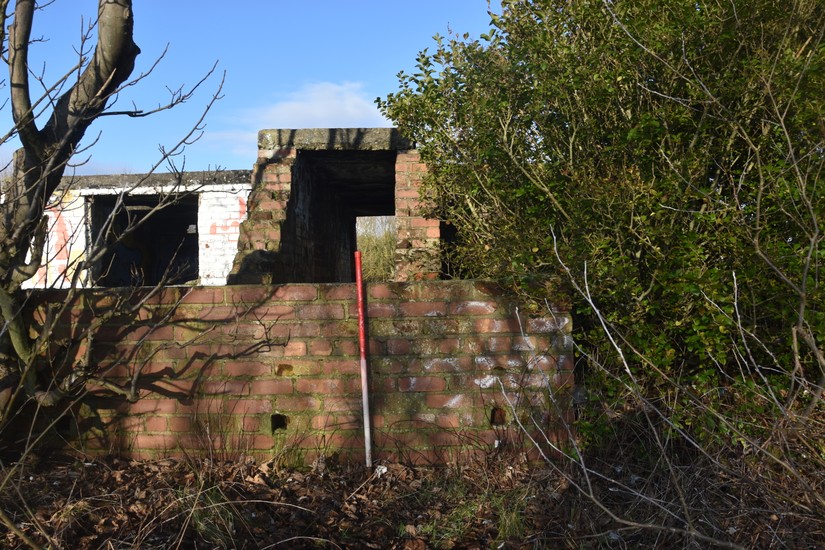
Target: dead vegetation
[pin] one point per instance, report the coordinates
(623, 498)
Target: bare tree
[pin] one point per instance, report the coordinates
(66, 108)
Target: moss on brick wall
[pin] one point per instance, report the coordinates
(268, 370)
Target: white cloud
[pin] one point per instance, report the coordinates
(316, 105)
(322, 105)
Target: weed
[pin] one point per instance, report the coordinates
(210, 514)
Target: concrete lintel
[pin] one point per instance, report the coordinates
(329, 139)
(157, 179)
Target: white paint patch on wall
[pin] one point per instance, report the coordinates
(454, 402)
(65, 243)
(486, 382)
(220, 214)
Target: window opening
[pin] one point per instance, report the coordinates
(146, 241)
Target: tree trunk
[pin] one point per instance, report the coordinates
(40, 162)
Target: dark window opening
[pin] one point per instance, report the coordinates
(147, 242)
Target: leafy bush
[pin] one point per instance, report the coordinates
(668, 154)
(661, 162)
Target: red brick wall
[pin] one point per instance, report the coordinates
(274, 371)
(417, 254)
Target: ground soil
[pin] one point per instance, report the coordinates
(200, 503)
(499, 501)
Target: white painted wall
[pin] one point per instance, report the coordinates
(221, 209)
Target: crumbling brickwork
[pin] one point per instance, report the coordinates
(308, 188)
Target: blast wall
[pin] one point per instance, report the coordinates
(273, 370)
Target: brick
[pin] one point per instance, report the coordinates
(449, 401)
(159, 366)
(433, 233)
(303, 367)
(150, 334)
(325, 311)
(498, 344)
(565, 362)
(423, 309)
(497, 326)
(384, 365)
(320, 348)
(398, 346)
(336, 422)
(381, 310)
(346, 348)
(542, 362)
(231, 332)
(329, 386)
(262, 442)
(295, 348)
(204, 295)
(472, 345)
(250, 424)
(301, 329)
(564, 379)
(298, 403)
(338, 329)
(335, 441)
(341, 404)
(246, 368)
(548, 324)
(156, 424)
(382, 291)
(406, 194)
(341, 367)
(441, 364)
(179, 423)
(473, 307)
(248, 294)
(423, 222)
(384, 385)
(346, 292)
(218, 313)
(275, 312)
(490, 362)
(424, 347)
(302, 293)
(449, 346)
(224, 387)
(421, 383)
(271, 387)
(247, 406)
(202, 406)
(157, 406)
(154, 441)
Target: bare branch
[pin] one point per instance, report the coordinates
(22, 112)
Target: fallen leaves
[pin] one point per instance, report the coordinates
(198, 503)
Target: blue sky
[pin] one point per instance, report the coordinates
(288, 64)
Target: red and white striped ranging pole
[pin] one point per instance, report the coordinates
(362, 342)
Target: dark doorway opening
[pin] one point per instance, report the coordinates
(150, 239)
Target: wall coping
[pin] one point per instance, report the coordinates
(334, 139)
(134, 182)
